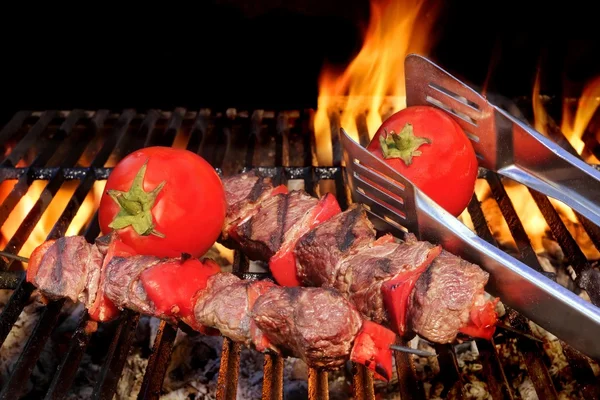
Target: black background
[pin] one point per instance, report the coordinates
(266, 53)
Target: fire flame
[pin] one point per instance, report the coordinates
(52, 213)
(574, 124)
(533, 221)
(373, 83)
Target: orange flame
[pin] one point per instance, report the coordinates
(574, 124)
(51, 214)
(527, 210)
(373, 83)
(539, 111)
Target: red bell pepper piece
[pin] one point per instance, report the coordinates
(255, 290)
(279, 189)
(283, 263)
(396, 293)
(371, 348)
(387, 238)
(103, 309)
(171, 285)
(482, 320)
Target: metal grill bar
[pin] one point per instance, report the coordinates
(63, 379)
(32, 141)
(123, 340)
(527, 255)
(13, 125)
(410, 387)
(158, 362)
(272, 378)
(285, 139)
(530, 353)
(495, 376)
(116, 357)
(318, 385)
(37, 340)
(362, 383)
(567, 243)
(449, 373)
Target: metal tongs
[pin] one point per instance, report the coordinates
(512, 149)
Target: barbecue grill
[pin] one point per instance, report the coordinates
(82, 146)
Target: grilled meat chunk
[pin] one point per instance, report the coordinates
(320, 250)
(315, 324)
(223, 305)
(69, 268)
(443, 297)
(244, 193)
(123, 286)
(360, 276)
(261, 235)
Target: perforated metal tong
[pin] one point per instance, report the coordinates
(395, 205)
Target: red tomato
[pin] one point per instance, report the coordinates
(431, 150)
(164, 202)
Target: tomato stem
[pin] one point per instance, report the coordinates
(402, 145)
(136, 206)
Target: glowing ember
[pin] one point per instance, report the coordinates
(373, 83)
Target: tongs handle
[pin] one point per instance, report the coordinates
(541, 164)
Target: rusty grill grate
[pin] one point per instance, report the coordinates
(82, 146)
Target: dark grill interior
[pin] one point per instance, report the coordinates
(82, 146)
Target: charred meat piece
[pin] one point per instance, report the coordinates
(315, 324)
(443, 296)
(244, 193)
(223, 305)
(68, 268)
(261, 235)
(360, 276)
(123, 286)
(320, 250)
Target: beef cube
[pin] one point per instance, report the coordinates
(320, 250)
(261, 235)
(244, 193)
(443, 296)
(362, 275)
(69, 269)
(123, 286)
(316, 325)
(223, 305)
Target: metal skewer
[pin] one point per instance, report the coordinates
(518, 332)
(10, 280)
(418, 352)
(14, 256)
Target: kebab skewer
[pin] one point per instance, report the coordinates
(410, 286)
(317, 325)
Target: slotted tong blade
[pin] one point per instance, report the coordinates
(503, 143)
(395, 205)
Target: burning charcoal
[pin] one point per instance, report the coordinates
(296, 390)
(17, 339)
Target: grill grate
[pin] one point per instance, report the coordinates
(82, 146)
